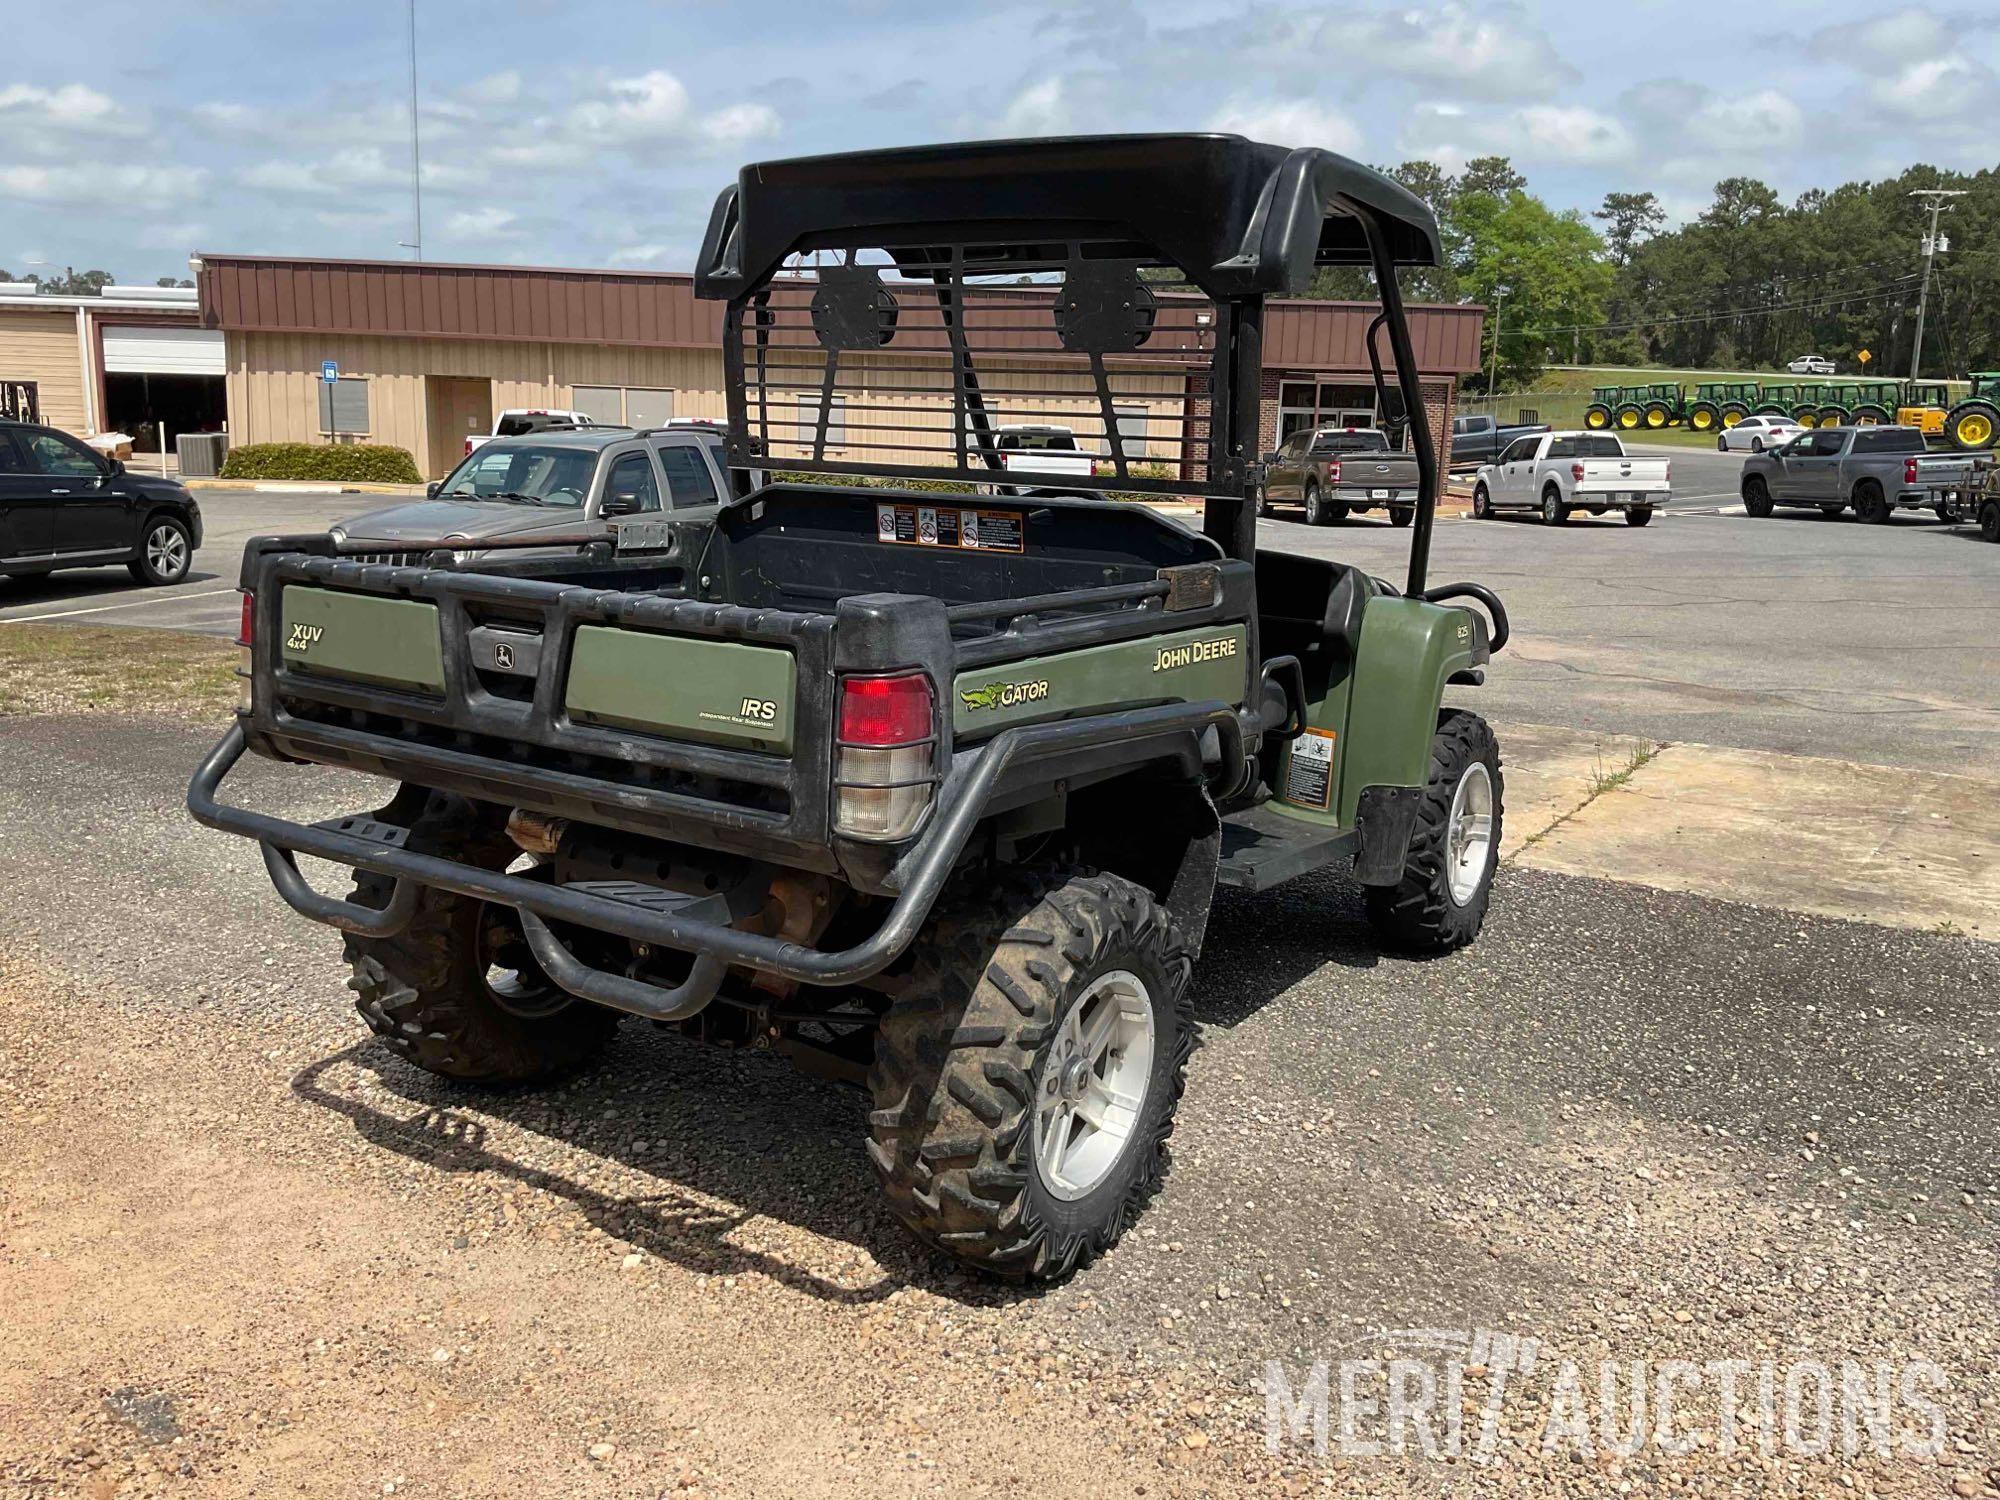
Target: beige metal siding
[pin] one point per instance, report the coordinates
(41, 346)
(274, 379)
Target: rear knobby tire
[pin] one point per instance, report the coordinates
(426, 992)
(975, 1041)
(1422, 913)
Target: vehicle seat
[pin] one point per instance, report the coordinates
(1311, 608)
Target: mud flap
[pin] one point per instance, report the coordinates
(1385, 818)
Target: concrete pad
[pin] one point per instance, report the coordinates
(1879, 844)
(1550, 772)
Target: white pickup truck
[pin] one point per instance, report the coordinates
(1044, 455)
(1555, 473)
(519, 421)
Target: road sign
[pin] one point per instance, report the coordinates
(329, 371)
(1864, 356)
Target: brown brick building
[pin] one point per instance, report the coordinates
(426, 353)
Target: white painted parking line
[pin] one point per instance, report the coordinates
(67, 614)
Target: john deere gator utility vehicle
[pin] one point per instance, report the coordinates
(1721, 403)
(1973, 423)
(929, 791)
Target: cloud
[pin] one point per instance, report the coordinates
(1290, 123)
(1903, 36)
(73, 106)
(1039, 109)
(651, 107)
(1487, 52)
(495, 88)
(640, 255)
(1935, 88)
(1573, 133)
(102, 183)
(490, 222)
(739, 124)
(1767, 118)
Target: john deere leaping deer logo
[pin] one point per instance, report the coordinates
(1005, 694)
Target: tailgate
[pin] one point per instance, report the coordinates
(565, 700)
(1602, 475)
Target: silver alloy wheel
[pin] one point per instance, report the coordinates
(1468, 833)
(1092, 1087)
(167, 551)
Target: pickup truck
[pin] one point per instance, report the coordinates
(518, 421)
(1559, 473)
(1333, 470)
(1877, 470)
(1044, 451)
(1481, 439)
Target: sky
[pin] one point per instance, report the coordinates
(135, 132)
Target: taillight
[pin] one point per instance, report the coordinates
(1333, 472)
(1909, 471)
(1576, 473)
(884, 772)
(246, 632)
(468, 449)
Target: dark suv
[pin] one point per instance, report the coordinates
(559, 483)
(64, 506)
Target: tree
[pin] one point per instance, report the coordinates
(1493, 176)
(1632, 217)
(169, 281)
(1552, 264)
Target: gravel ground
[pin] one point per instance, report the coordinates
(244, 1251)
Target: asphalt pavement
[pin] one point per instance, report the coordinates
(1792, 634)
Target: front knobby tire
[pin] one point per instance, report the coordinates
(434, 994)
(976, 1067)
(1440, 902)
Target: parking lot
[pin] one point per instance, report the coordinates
(1666, 1108)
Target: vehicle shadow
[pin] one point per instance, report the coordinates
(1259, 946)
(83, 586)
(727, 1140)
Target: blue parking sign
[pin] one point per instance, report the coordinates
(329, 371)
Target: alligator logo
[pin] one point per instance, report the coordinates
(1005, 694)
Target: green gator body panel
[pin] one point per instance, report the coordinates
(1382, 715)
(1185, 667)
(363, 637)
(718, 692)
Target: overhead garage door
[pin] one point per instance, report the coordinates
(163, 351)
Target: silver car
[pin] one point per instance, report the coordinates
(566, 486)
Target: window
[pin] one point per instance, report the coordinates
(1350, 442)
(20, 401)
(623, 406)
(1520, 450)
(1827, 444)
(60, 458)
(343, 405)
(1563, 448)
(11, 460)
(1134, 424)
(553, 476)
(632, 485)
(806, 434)
(1889, 440)
(688, 479)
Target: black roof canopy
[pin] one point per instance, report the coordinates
(1239, 218)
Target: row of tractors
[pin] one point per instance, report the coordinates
(1968, 423)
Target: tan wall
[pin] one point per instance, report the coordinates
(274, 388)
(42, 347)
(274, 380)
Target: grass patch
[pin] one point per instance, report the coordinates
(1602, 781)
(62, 669)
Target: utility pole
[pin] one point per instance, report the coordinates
(1493, 365)
(416, 156)
(1937, 198)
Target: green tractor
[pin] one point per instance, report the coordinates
(1721, 403)
(1974, 422)
(1630, 408)
(1872, 403)
(1781, 400)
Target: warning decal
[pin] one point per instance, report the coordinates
(949, 526)
(1309, 770)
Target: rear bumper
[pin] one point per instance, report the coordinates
(977, 778)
